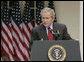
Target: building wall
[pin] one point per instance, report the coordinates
(68, 13)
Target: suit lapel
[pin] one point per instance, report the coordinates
(55, 28)
(44, 34)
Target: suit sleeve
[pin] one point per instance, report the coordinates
(66, 36)
(34, 36)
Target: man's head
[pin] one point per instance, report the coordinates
(48, 16)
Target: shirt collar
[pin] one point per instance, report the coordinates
(51, 26)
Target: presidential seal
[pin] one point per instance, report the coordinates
(56, 53)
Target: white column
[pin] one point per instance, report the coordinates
(81, 29)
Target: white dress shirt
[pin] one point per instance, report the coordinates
(51, 27)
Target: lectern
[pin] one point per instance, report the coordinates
(40, 50)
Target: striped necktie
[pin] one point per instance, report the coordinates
(50, 36)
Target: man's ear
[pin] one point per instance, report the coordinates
(53, 19)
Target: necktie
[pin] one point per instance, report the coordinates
(50, 36)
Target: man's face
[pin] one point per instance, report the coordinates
(47, 19)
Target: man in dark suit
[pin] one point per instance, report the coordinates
(41, 32)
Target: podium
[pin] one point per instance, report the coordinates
(39, 49)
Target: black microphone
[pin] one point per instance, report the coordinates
(55, 34)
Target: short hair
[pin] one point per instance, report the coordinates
(46, 9)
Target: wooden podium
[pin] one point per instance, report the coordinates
(39, 49)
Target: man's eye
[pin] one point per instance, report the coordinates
(47, 18)
(43, 18)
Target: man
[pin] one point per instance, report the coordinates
(49, 30)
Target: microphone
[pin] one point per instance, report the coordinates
(55, 34)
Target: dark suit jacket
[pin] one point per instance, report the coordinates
(39, 32)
